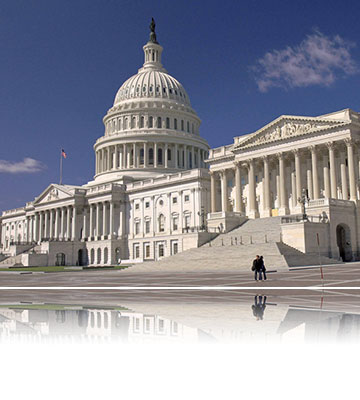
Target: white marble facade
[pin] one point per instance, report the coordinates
(156, 180)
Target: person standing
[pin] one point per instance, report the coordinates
(262, 267)
(257, 268)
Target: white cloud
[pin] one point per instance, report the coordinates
(27, 165)
(317, 60)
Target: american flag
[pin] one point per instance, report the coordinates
(63, 153)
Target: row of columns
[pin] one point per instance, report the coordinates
(136, 155)
(329, 173)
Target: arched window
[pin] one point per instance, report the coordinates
(133, 122)
(151, 156)
(169, 154)
(150, 122)
(175, 123)
(132, 157)
(141, 122)
(190, 159)
(106, 252)
(141, 156)
(125, 123)
(98, 256)
(182, 125)
(161, 223)
(188, 126)
(160, 156)
(167, 123)
(158, 122)
(119, 124)
(92, 256)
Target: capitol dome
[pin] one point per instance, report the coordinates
(151, 128)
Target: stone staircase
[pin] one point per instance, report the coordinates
(234, 251)
(12, 261)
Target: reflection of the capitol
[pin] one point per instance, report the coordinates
(260, 321)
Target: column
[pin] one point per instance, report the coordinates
(111, 222)
(213, 191)
(122, 219)
(166, 155)
(104, 209)
(327, 191)
(62, 231)
(238, 191)
(117, 160)
(293, 189)
(91, 230)
(51, 233)
(68, 223)
(56, 235)
(176, 156)
(41, 226)
(351, 168)
(309, 179)
(224, 194)
(145, 156)
(108, 159)
(193, 199)
(253, 213)
(27, 229)
(124, 159)
(97, 222)
(198, 158)
(46, 233)
(344, 185)
(298, 175)
(186, 158)
(169, 213)
(315, 177)
(138, 156)
(36, 228)
(84, 235)
(155, 155)
(333, 179)
(284, 208)
(267, 207)
(181, 214)
(192, 157)
(128, 157)
(134, 156)
(74, 225)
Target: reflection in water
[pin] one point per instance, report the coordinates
(146, 322)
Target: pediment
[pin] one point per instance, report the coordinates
(52, 193)
(286, 127)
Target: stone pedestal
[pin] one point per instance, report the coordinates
(222, 222)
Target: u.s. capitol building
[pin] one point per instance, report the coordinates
(159, 190)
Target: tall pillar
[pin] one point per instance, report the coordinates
(111, 222)
(84, 235)
(213, 191)
(309, 179)
(327, 190)
(198, 165)
(134, 155)
(284, 207)
(46, 232)
(293, 189)
(97, 222)
(186, 157)
(41, 226)
(238, 191)
(351, 168)
(224, 194)
(108, 159)
(68, 223)
(298, 175)
(315, 177)
(166, 155)
(176, 156)
(27, 229)
(344, 184)
(128, 158)
(192, 157)
(91, 227)
(51, 230)
(36, 228)
(104, 209)
(267, 207)
(333, 179)
(56, 235)
(74, 224)
(117, 154)
(253, 212)
(155, 155)
(181, 214)
(62, 233)
(146, 162)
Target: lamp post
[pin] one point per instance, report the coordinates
(202, 219)
(303, 200)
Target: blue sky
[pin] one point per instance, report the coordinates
(242, 63)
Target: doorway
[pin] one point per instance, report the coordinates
(343, 241)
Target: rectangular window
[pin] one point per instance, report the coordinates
(137, 324)
(161, 325)
(175, 248)
(175, 328)
(175, 223)
(147, 204)
(161, 250)
(137, 228)
(186, 198)
(147, 226)
(174, 200)
(147, 324)
(136, 251)
(147, 251)
(137, 206)
(187, 221)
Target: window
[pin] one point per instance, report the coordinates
(175, 328)
(159, 122)
(186, 198)
(150, 122)
(161, 325)
(175, 123)
(187, 221)
(175, 248)
(147, 324)
(147, 226)
(161, 250)
(141, 122)
(137, 324)
(188, 126)
(175, 223)
(147, 204)
(137, 206)
(151, 156)
(147, 251)
(137, 227)
(182, 125)
(133, 122)
(167, 123)
(137, 251)
(174, 200)
(141, 156)
(169, 154)
(160, 156)
(161, 223)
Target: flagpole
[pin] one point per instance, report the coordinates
(61, 167)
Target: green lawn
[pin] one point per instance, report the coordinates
(62, 269)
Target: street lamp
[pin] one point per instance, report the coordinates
(202, 219)
(303, 200)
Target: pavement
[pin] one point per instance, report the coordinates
(334, 276)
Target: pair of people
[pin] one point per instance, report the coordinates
(259, 268)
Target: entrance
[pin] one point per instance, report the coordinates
(343, 241)
(60, 259)
(82, 257)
